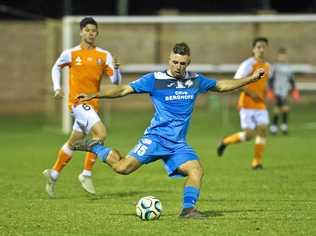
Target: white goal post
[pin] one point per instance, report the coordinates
(68, 42)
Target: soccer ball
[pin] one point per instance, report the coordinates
(149, 208)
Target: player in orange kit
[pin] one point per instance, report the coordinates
(254, 116)
(87, 65)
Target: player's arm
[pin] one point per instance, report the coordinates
(292, 82)
(117, 76)
(111, 91)
(295, 93)
(112, 69)
(56, 78)
(229, 85)
(62, 61)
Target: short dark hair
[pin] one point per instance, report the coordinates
(282, 50)
(86, 21)
(181, 48)
(260, 39)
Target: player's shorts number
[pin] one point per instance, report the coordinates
(140, 149)
(86, 107)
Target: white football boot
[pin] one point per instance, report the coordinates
(50, 183)
(86, 183)
(273, 129)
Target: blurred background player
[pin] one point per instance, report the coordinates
(87, 65)
(281, 84)
(173, 93)
(254, 116)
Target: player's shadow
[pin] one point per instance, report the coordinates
(126, 194)
(209, 214)
(222, 213)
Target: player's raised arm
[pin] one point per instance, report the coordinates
(112, 91)
(228, 85)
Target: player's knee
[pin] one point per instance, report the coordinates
(249, 135)
(101, 137)
(285, 109)
(276, 110)
(116, 155)
(196, 172)
(113, 157)
(262, 131)
(70, 145)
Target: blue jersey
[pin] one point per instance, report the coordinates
(173, 100)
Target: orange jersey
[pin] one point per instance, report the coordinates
(246, 68)
(86, 68)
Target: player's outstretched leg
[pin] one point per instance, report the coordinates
(231, 139)
(105, 154)
(221, 148)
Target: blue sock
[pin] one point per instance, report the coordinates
(101, 151)
(190, 196)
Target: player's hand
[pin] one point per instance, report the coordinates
(258, 74)
(59, 94)
(85, 97)
(296, 95)
(270, 95)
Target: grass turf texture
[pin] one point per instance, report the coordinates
(280, 200)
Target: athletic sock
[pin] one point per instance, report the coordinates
(284, 117)
(101, 151)
(275, 119)
(258, 152)
(190, 196)
(89, 161)
(87, 173)
(235, 138)
(64, 156)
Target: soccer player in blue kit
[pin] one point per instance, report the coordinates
(173, 93)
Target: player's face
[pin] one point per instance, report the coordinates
(178, 64)
(259, 49)
(89, 34)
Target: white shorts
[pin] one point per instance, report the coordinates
(251, 118)
(85, 117)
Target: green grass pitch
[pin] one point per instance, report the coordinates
(280, 200)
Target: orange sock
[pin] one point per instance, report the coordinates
(89, 161)
(259, 149)
(235, 138)
(62, 159)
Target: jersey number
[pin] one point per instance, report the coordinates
(86, 107)
(140, 149)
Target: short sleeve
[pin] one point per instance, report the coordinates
(245, 69)
(206, 84)
(144, 84)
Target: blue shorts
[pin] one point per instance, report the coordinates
(150, 149)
